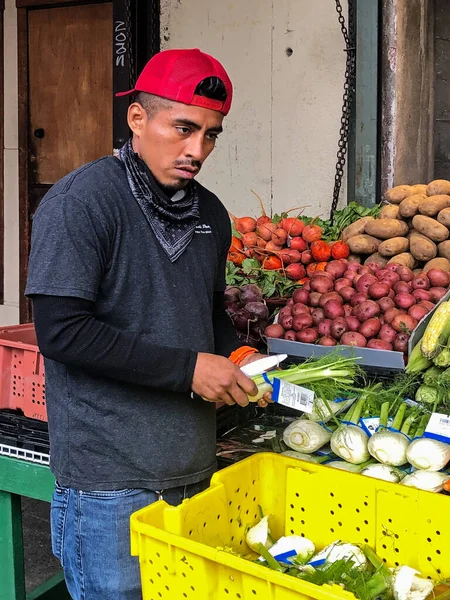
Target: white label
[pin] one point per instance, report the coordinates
(293, 396)
(438, 427)
(371, 424)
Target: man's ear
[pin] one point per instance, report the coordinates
(137, 118)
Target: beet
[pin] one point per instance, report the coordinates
(241, 319)
(232, 294)
(250, 293)
(257, 310)
(233, 307)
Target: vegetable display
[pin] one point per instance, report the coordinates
(354, 567)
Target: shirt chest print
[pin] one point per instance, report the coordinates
(203, 228)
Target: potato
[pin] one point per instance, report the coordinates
(444, 249)
(437, 263)
(356, 228)
(438, 186)
(363, 244)
(398, 193)
(434, 204)
(430, 228)
(405, 258)
(444, 217)
(419, 188)
(377, 259)
(390, 211)
(410, 205)
(421, 247)
(386, 228)
(395, 245)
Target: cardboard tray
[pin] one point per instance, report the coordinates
(383, 361)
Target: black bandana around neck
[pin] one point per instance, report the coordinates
(173, 223)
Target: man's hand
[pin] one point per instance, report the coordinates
(267, 398)
(217, 379)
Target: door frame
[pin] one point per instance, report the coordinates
(23, 7)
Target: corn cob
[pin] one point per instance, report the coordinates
(437, 332)
(417, 361)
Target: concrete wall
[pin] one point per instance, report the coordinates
(286, 60)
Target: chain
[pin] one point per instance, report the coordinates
(129, 30)
(350, 75)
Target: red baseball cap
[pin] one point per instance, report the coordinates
(175, 75)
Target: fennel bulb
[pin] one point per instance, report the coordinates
(259, 535)
(350, 441)
(407, 586)
(305, 436)
(345, 466)
(384, 472)
(294, 547)
(430, 481)
(321, 410)
(387, 446)
(428, 454)
(302, 456)
(341, 550)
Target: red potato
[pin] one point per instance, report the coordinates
(404, 323)
(338, 327)
(364, 283)
(370, 328)
(405, 273)
(307, 286)
(286, 310)
(428, 305)
(421, 282)
(301, 295)
(387, 333)
(318, 315)
(321, 284)
(390, 314)
(385, 304)
(334, 309)
(417, 312)
(290, 335)
(300, 308)
(336, 269)
(438, 278)
(422, 294)
(402, 287)
(330, 296)
(350, 274)
(389, 277)
(353, 266)
(404, 300)
(374, 268)
(274, 331)
(436, 293)
(356, 278)
(379, 345)
(286, 321)
(400, 343)
(347, 310)
(391, 294)
(314, 299)
(342, 282)
(366, 310)
(307, 336)
(352, 323)
(347, 292)
(358, 299)
(302, 321)
(378, 290)
(326, 341)
(353, 338)
(324, 327)
(290, 302)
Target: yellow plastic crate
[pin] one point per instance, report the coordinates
(177, 546)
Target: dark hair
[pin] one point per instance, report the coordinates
(213, 88)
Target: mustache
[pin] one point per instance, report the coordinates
(188, 163)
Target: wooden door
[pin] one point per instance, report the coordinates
(70, 89)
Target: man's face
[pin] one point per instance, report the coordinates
(176, 141)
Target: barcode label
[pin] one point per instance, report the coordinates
(293, 396)
(438, 427)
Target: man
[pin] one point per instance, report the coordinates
(126, 275)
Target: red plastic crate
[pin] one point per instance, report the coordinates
(22, 382)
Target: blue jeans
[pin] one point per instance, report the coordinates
(91, 538)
